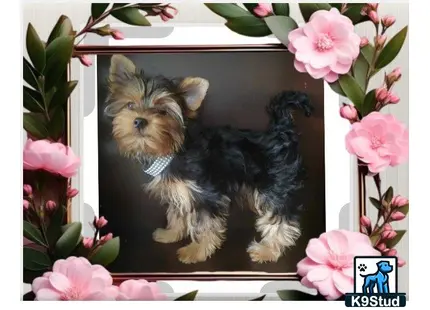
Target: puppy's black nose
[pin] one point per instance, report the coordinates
(140, 123)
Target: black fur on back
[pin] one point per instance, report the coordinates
(222, 159)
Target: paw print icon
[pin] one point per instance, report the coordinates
(362, 267)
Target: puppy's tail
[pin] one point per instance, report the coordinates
(281, 107)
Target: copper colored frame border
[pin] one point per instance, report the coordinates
(200, 276)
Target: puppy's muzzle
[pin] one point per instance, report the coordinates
(140, 123)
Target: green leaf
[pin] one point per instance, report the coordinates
(388, 196)
(62, 28)
(297, 295)
(98, 9)
(360, 69)
(57, 124)
(352, 90)
(404, 209)
(35, 48)
(259, 298)
(227, 10)
(281, 26)
(32, 233)
(393, 242)
(53, 231)
(374, 239)
(368, 52)
(369, 103)
(391, 49)
(307, 9)
(68, 241)
(30, 74)
(63, 93)
(335, 86)
(32, 100)
(35, 260)
(375, 202)
(188, 296)
(58, 55)
(106, 253)
(131, 16)
(281, 9)
(250, 26)
(34, 124)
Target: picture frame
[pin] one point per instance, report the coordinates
(345, 190)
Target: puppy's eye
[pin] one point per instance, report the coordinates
(130, 105)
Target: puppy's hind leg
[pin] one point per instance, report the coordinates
(175, 230)
(277, 234)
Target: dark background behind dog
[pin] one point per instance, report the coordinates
(241, 85)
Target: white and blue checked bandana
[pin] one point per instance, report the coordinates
(159, 165)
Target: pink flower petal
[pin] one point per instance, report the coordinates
(307, 283)
(340, 68)
(337, 242)
(343, 283)
(40, 283)
(319, 273)
(316, 251)
(317, 73)
(299, 66)
(47, 294)
(79, 273)
(59, 281)
(339, 32)
(331, 77)
(305, 265)
(325, 59)
(349, 272)
(328, 289)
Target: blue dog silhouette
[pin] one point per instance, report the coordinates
(379, 278)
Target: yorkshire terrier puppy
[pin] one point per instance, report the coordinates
(197, 171)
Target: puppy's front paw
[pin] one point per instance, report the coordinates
(192, 253)
(166, 235)
(261, 253)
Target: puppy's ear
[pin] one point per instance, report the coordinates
(120, 68)
(193, 90)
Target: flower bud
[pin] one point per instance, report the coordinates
(28, 190)
(388, 21)
(106, 238)
(364, 41)
(393, 99)
(394, 76)
(399, 201)
(168, 12)
(388, 234)
(381, 94)
(88, 242)
(102, 31)
(400, 262)
(117, 35)
(391, 252)
(50, 205)
(72, 192)
(397, 216)
(26, 204)
(348, 112)
(85, 60)
(373, 17)
(365, 221)
(380, 41)
(373, 6)
(381, 247)
(101, 222)
(387, 227)
(263, 9)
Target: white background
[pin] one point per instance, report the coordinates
(44, 16)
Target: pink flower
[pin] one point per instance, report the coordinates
(373, 6)
(25, 204)
(391, 252)
(263, 9)
(85, 60)
(117, 35)
(106, 238)
(399, 201)
(365, 221)
(397, 216)
(74, 279)
(28, 190)
(50, 205)
(379, 140)
(388, 21)
(328, 266)
(168, 12)
(87, 242)
(400, 262)
(380, 41)
(326, 46)
(382, 94)
(72, 192)
(101, 222)
(381, 247)
(364, 41)
(394, 75)
(389, 234)
(373, 17)
(348, 112)
(53, 157)
(393, 99)
(139, 290)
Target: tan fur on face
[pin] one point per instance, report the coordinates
(162, 135)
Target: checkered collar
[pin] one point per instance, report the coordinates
(159, 164)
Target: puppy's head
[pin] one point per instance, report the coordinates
(150, 113)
